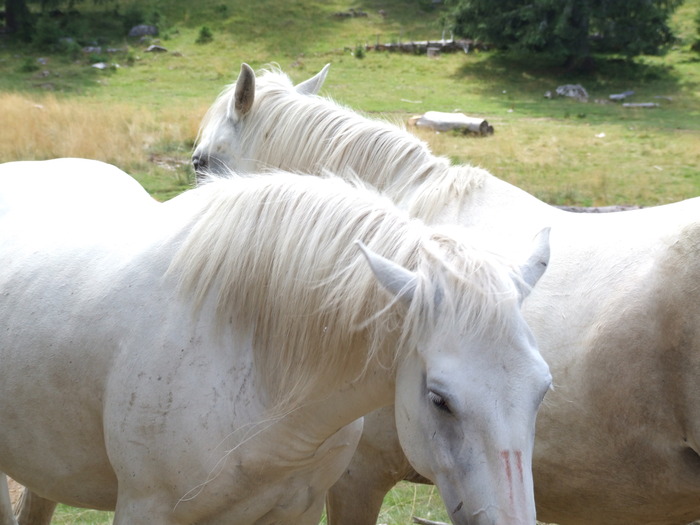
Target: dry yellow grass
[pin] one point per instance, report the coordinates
(45, 127)
(561, 162)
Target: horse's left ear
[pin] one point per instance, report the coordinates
(535, 265)
(245, 90)
(393, 277)
(313, 85)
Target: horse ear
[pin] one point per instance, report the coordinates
(535, 265)
(245, 90)
(313, 85)
(393, 277)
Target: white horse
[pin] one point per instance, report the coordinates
(618, 439)
(208, 359)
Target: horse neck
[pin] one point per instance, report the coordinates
(248, 257)
(332, 139)
(313, 135)
(323, 417)
(504, 215)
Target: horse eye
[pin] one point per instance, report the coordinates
(439, 401)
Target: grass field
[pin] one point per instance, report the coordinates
(143, 114)
(405, 501)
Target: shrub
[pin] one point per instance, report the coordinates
(48, 33)
(133, 16)
(205, 35)
(29, 66)
(69, 47)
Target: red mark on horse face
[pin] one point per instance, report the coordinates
(519, 464)
(505, 454)
(518, 486)
(517, 459)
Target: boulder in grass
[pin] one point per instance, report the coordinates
(142, 30)
(575, 91)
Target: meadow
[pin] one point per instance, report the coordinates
(143, 110)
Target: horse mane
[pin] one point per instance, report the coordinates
(324, 135)
(277, 253)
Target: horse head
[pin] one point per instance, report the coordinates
(219, 142)
(466, 406)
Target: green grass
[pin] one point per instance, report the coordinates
(401, 504)
(72, 516)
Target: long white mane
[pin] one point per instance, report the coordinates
(308, 133)
(277, 254)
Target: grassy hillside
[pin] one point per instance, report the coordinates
(563, 151)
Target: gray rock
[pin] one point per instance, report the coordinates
(143, 30)
(575, 91)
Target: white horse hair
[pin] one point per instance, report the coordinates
(331, 284)
(624, 408)
(209, 359)
(326, 136)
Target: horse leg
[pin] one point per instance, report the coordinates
(313, 514)
(33, 509)
(355, 501)
(377, 465)
(7, 517)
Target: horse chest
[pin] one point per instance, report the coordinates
(273, 479)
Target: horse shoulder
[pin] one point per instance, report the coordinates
(634, 388)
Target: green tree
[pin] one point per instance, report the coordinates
(21, 20)
(569, 29)
(18, 19)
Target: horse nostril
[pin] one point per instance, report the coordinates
(199, 163)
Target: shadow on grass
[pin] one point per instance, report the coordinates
(523, 80)
(535, 72)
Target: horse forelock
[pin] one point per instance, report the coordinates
(276, 255)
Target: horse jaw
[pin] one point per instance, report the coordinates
(313, 85)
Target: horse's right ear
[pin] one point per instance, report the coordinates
(396, 279)
(245, 90)
(313, 85)
(536, 264)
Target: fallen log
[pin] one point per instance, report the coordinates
(640, 105)
(440, 121)
(599, 209)
(419, 48)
